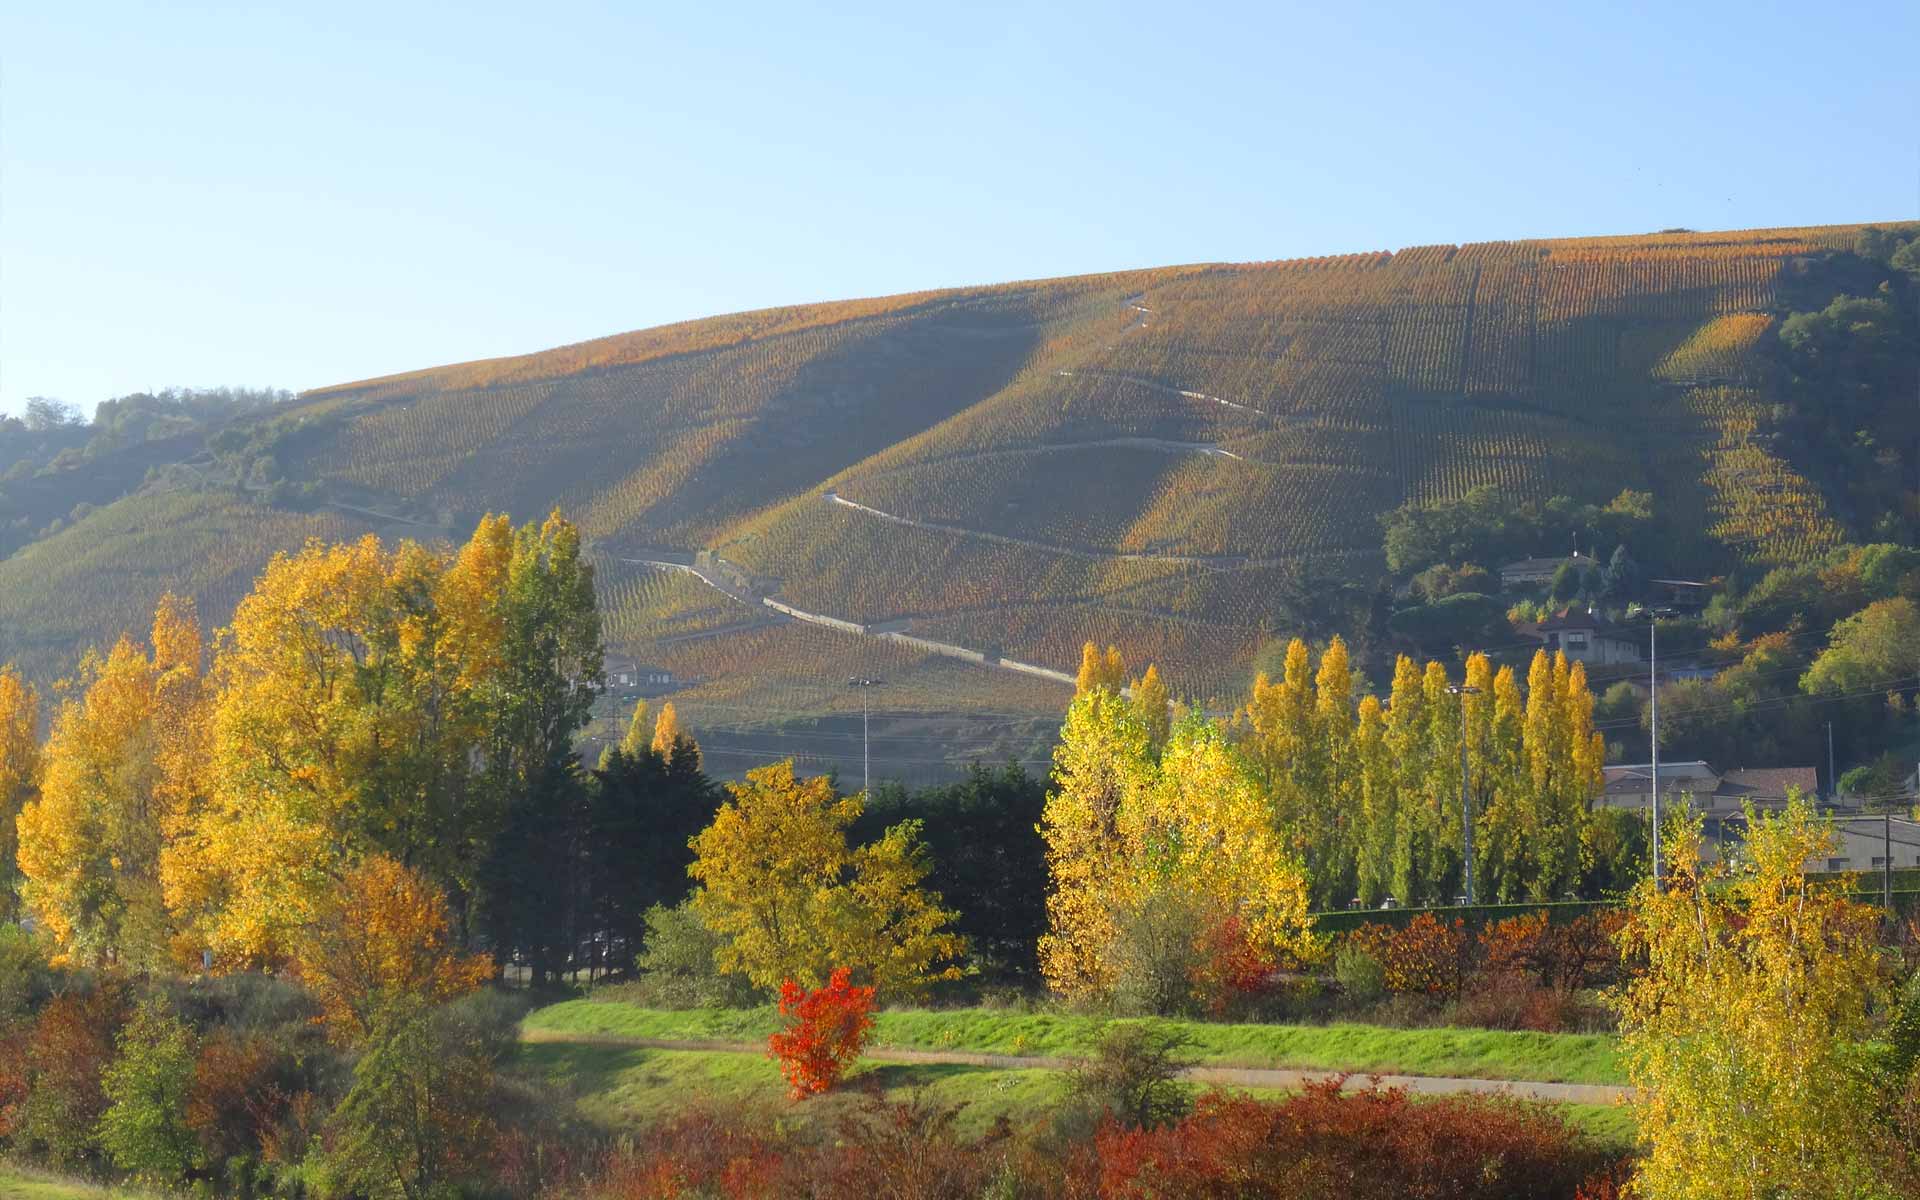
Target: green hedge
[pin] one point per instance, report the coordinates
(1560, 912)
(1906, 902)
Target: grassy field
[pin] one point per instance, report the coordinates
(1474, 1053)
(629, 1085)
(21, 1183)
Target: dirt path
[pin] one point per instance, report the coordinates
(1249, 1077)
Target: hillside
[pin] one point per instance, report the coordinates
(1186, 462)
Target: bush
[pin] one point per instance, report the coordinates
(1423, 957)
(826, 1030)
(1157, 955)
(144, 1128)
(677, 966)
(1373, 1143)
(1359, 973)
(1132, 1077)
(67, 1054)
(1508, 1000)
(26, 977)
(415, 1121)
(237, 1095)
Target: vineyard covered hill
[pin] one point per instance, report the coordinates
(1184, 462)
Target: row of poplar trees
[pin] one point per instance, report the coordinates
(1367, 793)
(409, 703)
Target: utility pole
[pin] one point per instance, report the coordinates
(1653, 743)
(1466, 797)
(866, 754)
(1886, 858)
(1833, 781)
(1653, 713)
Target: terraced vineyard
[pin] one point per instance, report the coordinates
(1146, 459)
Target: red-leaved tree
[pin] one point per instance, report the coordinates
(826, 1030)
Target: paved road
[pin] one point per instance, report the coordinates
(1251, 1077)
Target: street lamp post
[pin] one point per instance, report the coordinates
(866, 760)
(1466, 797)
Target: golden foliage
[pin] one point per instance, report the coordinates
(380, 936)
(19, 775)
(1123, 829)
(90, 843)
(1742, 1034)
(793, 900)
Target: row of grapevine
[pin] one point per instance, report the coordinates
(102, 576)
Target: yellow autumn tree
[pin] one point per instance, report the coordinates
(639, 735)
(1202, 828)
(790, 899)
(1090, 670)
(1379, 803)
(350, 717)
(1406, 744)
(19, 776)
(1743, 1037)
(90, 842)
(405, 701)
(1104, 757)
(294, 745)
(1150, 697)
(1099, 670)
(667, 733)
(380, 938)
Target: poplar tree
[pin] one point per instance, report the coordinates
(1104, 757)
(19, 776)
(1150, 698)
(1329, 781)
(1379, 807)
(639, 735)
(90, 842)
(1407, 743)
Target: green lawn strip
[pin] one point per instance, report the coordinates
(1471, 1053)
(623, 1086)
(25, 1183)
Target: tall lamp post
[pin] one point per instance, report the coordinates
(866, 760)
(1466, 798)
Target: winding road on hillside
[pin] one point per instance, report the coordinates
(1216, 562)
(1165, 445)
(1246, 1077)
(895, 630)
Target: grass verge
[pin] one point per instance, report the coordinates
(631, 1085)
(25, 1183)
(1468, 1053)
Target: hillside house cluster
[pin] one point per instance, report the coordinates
(1861, 839)
(631, 679)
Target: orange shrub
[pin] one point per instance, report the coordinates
(826, 1030)
(1375, 1142)
(1423, 956)
(1229, 966)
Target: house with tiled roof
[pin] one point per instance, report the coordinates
(1584, 637)
(1711, 792)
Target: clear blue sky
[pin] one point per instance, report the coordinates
(231, 197)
